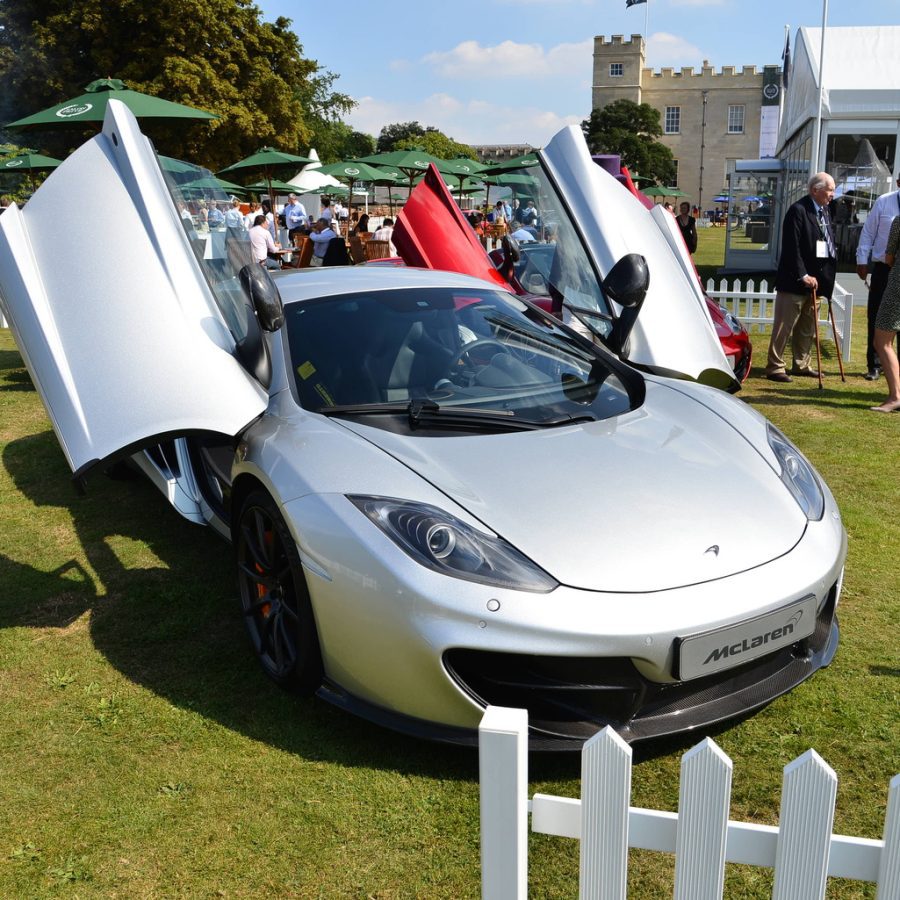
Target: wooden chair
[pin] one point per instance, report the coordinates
(377, 249)
(304, 251)
(357, 250)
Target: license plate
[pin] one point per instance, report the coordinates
(733, 645)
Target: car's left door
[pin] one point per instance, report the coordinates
(120, 328)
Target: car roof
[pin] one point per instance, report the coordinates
(308, 284)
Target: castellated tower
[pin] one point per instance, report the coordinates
(710, 119)
(617, 69)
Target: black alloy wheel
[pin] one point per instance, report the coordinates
(274, 596)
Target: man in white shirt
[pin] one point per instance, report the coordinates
(386, 233)
(261, 244)
(872, 241)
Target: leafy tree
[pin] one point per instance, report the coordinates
(437, 144)
(217, 55)
(629, 129)
(336, 141)
(391, 135)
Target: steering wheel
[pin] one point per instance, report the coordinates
(471, 363)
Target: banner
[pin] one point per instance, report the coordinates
(633, 2)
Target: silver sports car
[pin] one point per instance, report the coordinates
(440, 497)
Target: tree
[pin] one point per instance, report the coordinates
(217, 55)
(437, 144)
(391, 135)
(336, 141)
(629, 129)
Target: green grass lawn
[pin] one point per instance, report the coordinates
(142, 753)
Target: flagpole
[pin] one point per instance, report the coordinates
(815, 152)
(647, 22)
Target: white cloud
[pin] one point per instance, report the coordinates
(511, 60)
(471, 122)
(698, 2)
(665, 49)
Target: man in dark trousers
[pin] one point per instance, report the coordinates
(807, 263)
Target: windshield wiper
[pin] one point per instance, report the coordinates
(426, 412)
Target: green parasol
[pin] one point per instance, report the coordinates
(91, 107)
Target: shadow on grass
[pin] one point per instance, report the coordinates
(164, 612)
(14, 376)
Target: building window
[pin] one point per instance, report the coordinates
(736, 119)
(674, 183)
(673, 120)
(616, 70)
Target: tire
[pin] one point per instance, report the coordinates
(274, 596)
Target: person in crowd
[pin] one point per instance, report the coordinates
(234, 218)
(872, 241)
(887, 322)
(202, 216)
(321, 235)
(5, 203)
(386, 233)
(270, 218)
(806, 267)
(529, 215)
(252, 213)
(262, 245)
(687, 225)
(183, 211)
(500, 217)
(523, 234)
(362, 224)
(327, 212)
(215, 218)
(295, 219)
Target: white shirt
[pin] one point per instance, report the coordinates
(261, 242)
(386, 233)
(877, 227)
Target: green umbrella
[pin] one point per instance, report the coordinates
(655, 191)
(91, 107)
(273, 184)
(268, 162)
(356, 171)
(30, 163)
(209, 184)
(508, 165)
(460, 169)
(409, 162)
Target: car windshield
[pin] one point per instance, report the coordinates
(556, 263)
(481, 356)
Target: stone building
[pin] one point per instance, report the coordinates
(710, 119)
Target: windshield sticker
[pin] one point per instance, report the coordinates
(306, 369)
(322, 391)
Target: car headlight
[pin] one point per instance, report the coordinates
(797, 474)
(443, 543)
(732, 321)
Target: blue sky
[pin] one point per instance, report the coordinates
(516, 71)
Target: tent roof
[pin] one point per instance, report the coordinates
(861, 77)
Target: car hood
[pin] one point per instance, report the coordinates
(640, 502)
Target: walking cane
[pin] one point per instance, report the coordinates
(837, 342)
(815, 312)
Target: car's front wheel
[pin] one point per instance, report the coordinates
(274, 596)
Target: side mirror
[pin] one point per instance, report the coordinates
(626, 283)
(628, 280)
(264, 296)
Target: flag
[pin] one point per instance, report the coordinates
(786, 61)
(633, 2)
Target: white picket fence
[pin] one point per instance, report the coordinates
(756, 308)
(802, 850)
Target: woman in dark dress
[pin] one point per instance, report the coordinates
(688, 226)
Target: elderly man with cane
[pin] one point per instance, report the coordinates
(806, 269)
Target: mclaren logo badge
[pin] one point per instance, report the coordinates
(757, 640)
(714, 550)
